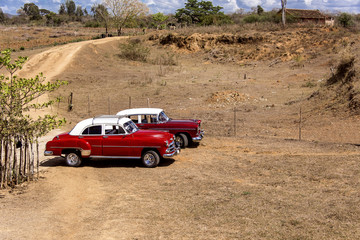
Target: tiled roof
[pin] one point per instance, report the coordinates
(301, 13)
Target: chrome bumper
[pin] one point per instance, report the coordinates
(171, 154)
(48, 153)
(198, 138)
(172, 150)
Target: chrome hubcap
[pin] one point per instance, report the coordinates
(149, 159)
(72, 158)
(179, 140)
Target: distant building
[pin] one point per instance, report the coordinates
(308, 16)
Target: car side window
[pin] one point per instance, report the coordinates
(134, 118)
(153, 118)
(145, 118)
(114, 129)
(93, 130)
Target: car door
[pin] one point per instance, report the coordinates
(93, 136)
(116, 142)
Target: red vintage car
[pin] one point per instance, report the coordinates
(112, 137)
(186, 131)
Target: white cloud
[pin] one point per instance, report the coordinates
(228, 5)
(249, 4)
(5, 8)
(164, 6)
(28, 1)
(272, 3)
(308, 2)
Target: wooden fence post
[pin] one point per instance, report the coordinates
(70, 106)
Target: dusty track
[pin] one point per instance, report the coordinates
(55, 60)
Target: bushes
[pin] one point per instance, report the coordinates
(134, 50)
(345, 20)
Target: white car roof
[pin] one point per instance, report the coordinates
(137, 111)
(103, 119)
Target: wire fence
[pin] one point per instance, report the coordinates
(220, 122)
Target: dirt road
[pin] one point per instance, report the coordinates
(51, 63)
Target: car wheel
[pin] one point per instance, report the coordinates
(150, 159)
(182, 140)
(72, 159)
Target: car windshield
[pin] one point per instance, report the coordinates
(163, 117)
(130, 127)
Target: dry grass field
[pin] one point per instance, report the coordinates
(29, 37)
(250, 178)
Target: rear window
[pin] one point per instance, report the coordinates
(114, 129)
(92, 130)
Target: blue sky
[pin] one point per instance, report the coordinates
(170, 6)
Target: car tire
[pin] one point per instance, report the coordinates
(73, 159)
(150, 159)
(182, 140)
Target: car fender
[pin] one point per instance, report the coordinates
(84, 147)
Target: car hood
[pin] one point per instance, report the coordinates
(153, 134)
(62, 135)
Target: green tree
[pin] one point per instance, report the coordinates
(79, 13)
(17, 98)
(101, 15)
(2, 16)
(32, 11)
(44, 12)
(202, 13)
(159, 19)
(259, 10)
(124, 11)
(70, 7)
(62, 9)
(345, 19)
(54, 19)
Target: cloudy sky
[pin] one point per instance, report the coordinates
(170, 6)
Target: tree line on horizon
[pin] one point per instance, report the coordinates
(121, 14)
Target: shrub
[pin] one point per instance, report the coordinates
(309, 84)
(169, 59)
(251, 18)
(134, 50)
(92, 24)
(345, 20)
